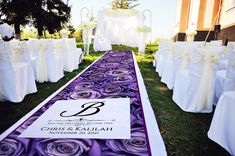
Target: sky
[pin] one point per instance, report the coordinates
(163, 13)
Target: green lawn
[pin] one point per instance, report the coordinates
(184, 134)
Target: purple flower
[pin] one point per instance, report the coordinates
(68, 147)
(11, 147)
(116, 72)
(136, 145)
(137, 112)
(83, 94)
(109, 65)
(111, 90)
(84, 85)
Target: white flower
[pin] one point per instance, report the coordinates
(143, 28)
(89, 24)
(191, 32)
(122, 12)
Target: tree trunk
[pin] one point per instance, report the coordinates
(17, 30)
(40, 28)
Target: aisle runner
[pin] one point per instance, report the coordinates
(112, 76)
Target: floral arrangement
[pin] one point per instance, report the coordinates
(89, 24)
(143, 28)
(191, 32)
(64, 32)
(122, 12)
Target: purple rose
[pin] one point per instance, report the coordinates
(68, 147)
(136, 145)
(11, 147)
(109, 65)
(137, 112)
(111, 90)
(84, 94)
(116, 72)
(84, 85)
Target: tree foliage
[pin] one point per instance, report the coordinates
(48, 15)
(16, 12)
(124, 4)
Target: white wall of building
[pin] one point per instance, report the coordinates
(227, 17)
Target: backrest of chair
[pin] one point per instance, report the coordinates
(33, 46)
(5, 60)
(182, 55)
(71, 44)
(46, 47)
(203, 56)
(59, 47)
(231, 67)
(25, 54)
(163, 45)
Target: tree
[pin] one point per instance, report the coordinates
(124, 4)
(50, 15)
(43, 14)
(16, 12)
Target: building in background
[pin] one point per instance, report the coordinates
(203, 16)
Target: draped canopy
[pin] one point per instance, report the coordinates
(119, 27)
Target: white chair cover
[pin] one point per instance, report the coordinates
(17, 79)
(50, 65)
(62, 51)
(161, 55)
(194, 88)
(34, 51)
(75, 52)
(222, 129)
(19, 51)
(225, 79)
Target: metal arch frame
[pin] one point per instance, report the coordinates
(81, 13)
(150, 25)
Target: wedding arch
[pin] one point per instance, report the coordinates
(119, 27)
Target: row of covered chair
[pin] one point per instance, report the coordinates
(43, 60)
(190, 69)
(202, 74)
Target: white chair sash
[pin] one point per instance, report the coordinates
(205, 92)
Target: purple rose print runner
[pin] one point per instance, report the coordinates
(112, 76)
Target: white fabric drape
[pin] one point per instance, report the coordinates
(119, 28)
(222, 129)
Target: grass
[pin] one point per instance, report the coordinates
(184, 134)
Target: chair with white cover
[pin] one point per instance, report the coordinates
(102, 43)
(76, 52)
(225, 79)
(33, 47)
(50, 65)
(168, 66)
(161, 55)
(222, 128)
(17, 78)
(181, 59)
(19, 51)
(61, 48)
(194, 87)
